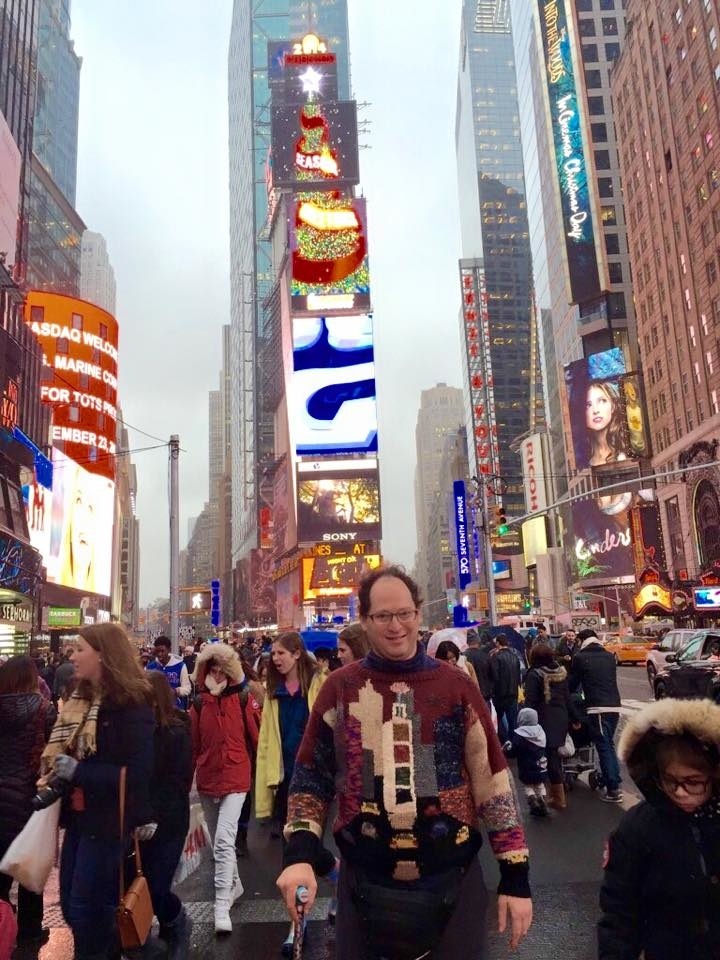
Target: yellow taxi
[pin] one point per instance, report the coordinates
(629, 649)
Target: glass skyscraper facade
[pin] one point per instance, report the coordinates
(255, 23)
(495, 228)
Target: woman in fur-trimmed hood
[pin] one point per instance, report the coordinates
(660, 897)
(547, 691)
(225, 722)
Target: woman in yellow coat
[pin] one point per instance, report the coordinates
(293, 683)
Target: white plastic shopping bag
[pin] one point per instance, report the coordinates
(31, 855)
(197, 845)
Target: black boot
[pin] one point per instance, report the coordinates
(534, 803)
(241, 846)
(177, 936)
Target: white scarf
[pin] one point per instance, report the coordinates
(213, 687)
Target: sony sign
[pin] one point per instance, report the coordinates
(534, 475)
(461, 534)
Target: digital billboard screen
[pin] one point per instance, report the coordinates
(570, 162)
(329, 249)
(315, 145)
(335, 576)
(75, 529)
(79, 381)
(707, 598)
(334, 408)
(601, 541)
(338, 507)
(606, 413)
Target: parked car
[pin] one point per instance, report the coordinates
(629, 649)
(694, 672)
(672, 642)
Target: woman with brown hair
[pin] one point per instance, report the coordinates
(293, 683)
(547, 692)
(170, 800)
(106, 724)
(26, 719)
(352, 644)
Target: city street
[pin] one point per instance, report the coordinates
(566, 855)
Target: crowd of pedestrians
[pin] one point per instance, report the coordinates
(401, 751)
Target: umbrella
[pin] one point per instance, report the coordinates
(456, 634)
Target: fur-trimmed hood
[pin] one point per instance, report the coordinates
(222, 654)
(699, 719)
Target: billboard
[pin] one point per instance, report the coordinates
(534, 538)
(706, 598)
(607, 419)
(75, 531)
(315, 145)
(338, 506)
(329, 249)
(462, 533)
(298, 69)
(601, 541)
(333, 404)
(335, 576)
(532, 453)
(79, 382)
(571, 165)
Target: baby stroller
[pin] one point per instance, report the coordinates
(584, 760)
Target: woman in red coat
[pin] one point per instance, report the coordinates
(225, 720)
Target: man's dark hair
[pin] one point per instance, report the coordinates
(586, 634)
(370, 579)
(501, 640)
(323, 653)
(542, 655)
(162, 642)
(472, 638)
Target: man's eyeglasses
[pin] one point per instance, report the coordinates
(403, 616)
(694, 786)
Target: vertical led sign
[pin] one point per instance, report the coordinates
(570, 162)
(461, 533)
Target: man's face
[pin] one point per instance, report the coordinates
(162, 654)
(398, 639)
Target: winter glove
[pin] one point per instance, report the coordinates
(146, 832)
(65, 767)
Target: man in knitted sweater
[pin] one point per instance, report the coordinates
(407, 745)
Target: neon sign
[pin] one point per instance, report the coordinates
(570, 162)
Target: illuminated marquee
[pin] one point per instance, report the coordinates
(570, 162)
(80, 355)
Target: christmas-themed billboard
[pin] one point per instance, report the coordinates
(333, 403)
(315, 145)
(605, 405)
(329, 248)
(300, 68)
(337, 506)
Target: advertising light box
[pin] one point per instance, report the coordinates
(335, 576)
(606, 412)
(707, 598)
(315, 145)
(602, 535)
(329, 248)
(338, 507)
(75, 531)
(333, 403)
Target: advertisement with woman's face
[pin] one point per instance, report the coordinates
(608, 425)
(81, 528)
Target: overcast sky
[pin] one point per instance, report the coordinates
(152, 177)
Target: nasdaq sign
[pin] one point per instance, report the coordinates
(570, 161)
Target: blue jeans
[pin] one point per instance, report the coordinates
(603, 727)
(507, 711)
(90, 891)
(159, 861)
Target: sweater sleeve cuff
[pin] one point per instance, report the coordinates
(514, 879)
(302, 847)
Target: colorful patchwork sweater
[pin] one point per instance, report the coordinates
(410, 752)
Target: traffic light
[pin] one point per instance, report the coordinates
(501, 524)
(527, 606)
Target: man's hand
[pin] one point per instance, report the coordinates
(521, 914)
(298, 875)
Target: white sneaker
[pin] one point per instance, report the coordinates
(223, 923)
(237, 891)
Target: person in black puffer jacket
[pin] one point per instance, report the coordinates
(660, 897)
(106, 725)
(505, 672)
(547, 691)
(169, 798)
(26, 719)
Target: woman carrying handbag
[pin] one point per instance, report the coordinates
(105, 726)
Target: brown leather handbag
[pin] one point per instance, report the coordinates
(135, 913)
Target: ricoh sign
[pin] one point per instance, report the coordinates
(534, 475)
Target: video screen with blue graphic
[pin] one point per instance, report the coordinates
(333, 396)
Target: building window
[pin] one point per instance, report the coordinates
(62, 345)
(77, 321)
(593, 79)
(711, 270)
(675, 535)
(596, 106)
(712, 37)
(612, 51)
(610, 27)
(612, 243)
(590, 53)
(605, 187)
(602, 159)
(599, 132)
(609, 216)
(587, 28)
(616, 273)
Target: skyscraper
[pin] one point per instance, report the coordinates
(440, 416)
(97, 276)
(495, 237)
(255, 24)
(667, 117)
